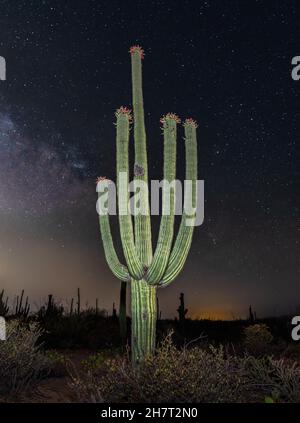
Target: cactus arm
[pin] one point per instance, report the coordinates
(184, 238)
(118, 269)
(166, 230)
(142, 222)
(134, 264)
(174, 269)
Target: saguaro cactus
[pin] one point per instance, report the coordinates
(182, 311)
(146, 270)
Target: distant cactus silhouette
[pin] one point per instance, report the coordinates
(4, 308)
(51, 310)
(114, 311)
(252, 315)
(50, 305)
(122, 313)
(72, 307)
(78, 301)
(22, 311)
(182, 311)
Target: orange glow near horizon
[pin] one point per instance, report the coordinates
(213, 314)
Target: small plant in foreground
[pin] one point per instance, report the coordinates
(58, 362)
(22, 363)
(278, 380)
(94, 362)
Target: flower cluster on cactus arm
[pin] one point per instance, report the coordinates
(138, 170)
(139, 49)
(171, 116)
(102, 179)
(125, 111)
(191, 122)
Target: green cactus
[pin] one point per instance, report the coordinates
(145, 270)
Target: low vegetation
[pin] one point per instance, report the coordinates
(258, 339)
(22, 362)
(208, 375)
(78, 352)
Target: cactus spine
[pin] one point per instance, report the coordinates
(145, 270)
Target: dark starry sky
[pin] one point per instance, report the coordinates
(228, 65)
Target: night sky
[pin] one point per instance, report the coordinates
(225, 63)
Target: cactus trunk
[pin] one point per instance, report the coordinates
(143, 323)
(143, 296)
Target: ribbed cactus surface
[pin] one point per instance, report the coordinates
(145, 269)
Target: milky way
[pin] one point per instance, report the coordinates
(33, 178)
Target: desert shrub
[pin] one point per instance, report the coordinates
(172, 375)
(58, 362)
(292, 351)
(55, 356)
(95, 361)
(278, 380)
(87, 330)
(21, 361)
(257, 339)
(206, 375)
